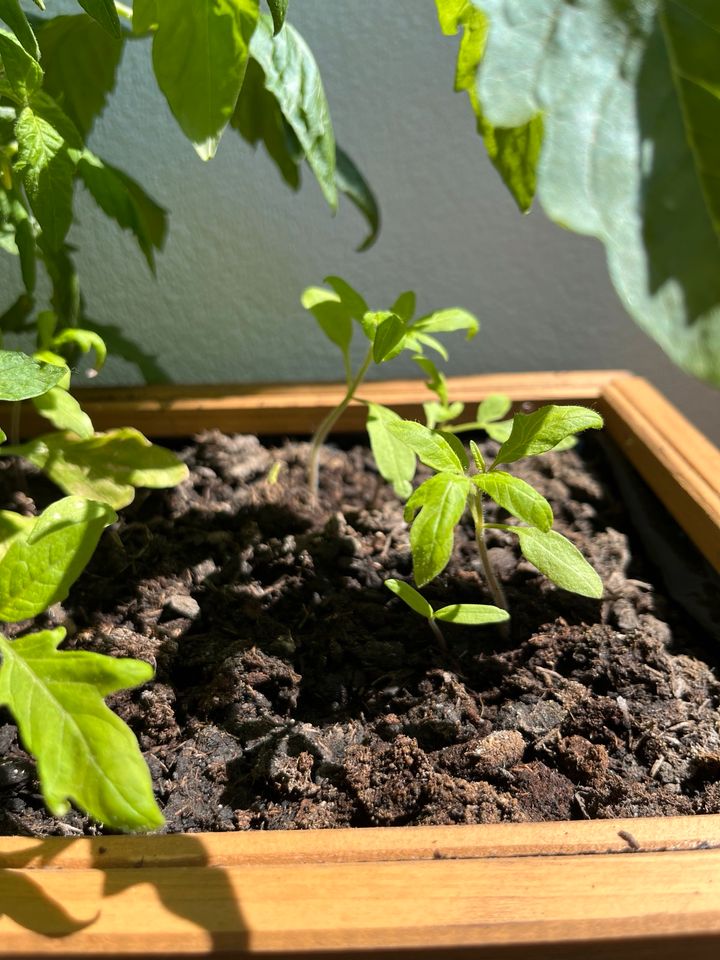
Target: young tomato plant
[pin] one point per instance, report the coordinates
(437, 505)
(389, 332)
(468, 614)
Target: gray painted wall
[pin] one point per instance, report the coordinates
(241, 247)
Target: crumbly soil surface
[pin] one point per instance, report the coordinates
(294, 691)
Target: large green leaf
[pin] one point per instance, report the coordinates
(559, 560)
(630, 95)
(106, 467)
(47, 168)
(441, 501)
(432, 448)
(125, 201)
(144, 15)
(200, 54)
(517, 497)
(394, 460)
(538, 432)
(64, 412)
(514, 151)
(43, 562)
(104, 12)
(350, 181)
(21, 377)
(13, 15)
(80, 60)
(293, 78)
(22, 71)
(84, 752)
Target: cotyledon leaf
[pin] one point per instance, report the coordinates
(630, 99)
(416, 601)
(84, 752)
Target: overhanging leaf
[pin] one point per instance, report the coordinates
(200, 53)
(106, 467)
(105, 13)
(43, 562)
(631, 104)
(22, 71)
(21, 377)
(293, 78)
(350, 181)
(14, 16)
(441, 501)
(84, 752)
(144, 15)
(394, 460)
(559, 560)
(278, 9)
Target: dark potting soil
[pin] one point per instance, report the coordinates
(294, 691)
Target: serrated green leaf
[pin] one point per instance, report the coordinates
(471, 614)
(350, 181)
(144, 16)
(84, 752)
(22, 71)
(124, 200)
(456, 444)
(107, 467)
(494, 407)
(331, 314)
(447, 321)
(441, 501)
(42, 563)
(404, 306)
(538, 432)
(64, 412)
(80, 60)
(517, 497)
(431, 448)
(394, 460)
(416, 601)
(104, 12)
(292, 76)
(559, 560)
(14, 16)
(513, 151)
(47, 171)
(200, 54)
(353, 301)
(21, 377)
(477, 455)
(644, 180)
(388, 335)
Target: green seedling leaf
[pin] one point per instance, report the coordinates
(436, 380)
(22, 378)
(84, 752)
(538, 432)
(43, 562)
(493, 407)
(85, 341)
(404, 306)
(22, 71)
(104, 12)
(351, 299)
(394, 460)
(64, 412)
(388, 338)
(477, 456)
(425, 340)
(124, 200)
(446, 321)
(517, 497)
(432, 448)
(560, 561)
(371, 320)
(416, 601)
(436, 413)
(471, 614)
(108, 467)
(14, 16)
(350, 181)
(278, 9)
(293, 78)
(12, 526)
(441, 501)
(200, 54)
(499, 431)
(331, 314)
(513, 150)
(144, 16)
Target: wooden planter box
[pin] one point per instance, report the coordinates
(644, 888)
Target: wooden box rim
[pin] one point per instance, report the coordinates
(646, 887)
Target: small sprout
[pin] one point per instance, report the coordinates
(389, 332)
(274, 472)
(436, 506)
(468, 614)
